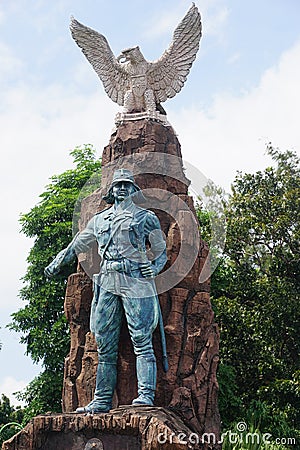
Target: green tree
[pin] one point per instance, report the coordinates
(255, 292)
(10, 417)
(41, 321)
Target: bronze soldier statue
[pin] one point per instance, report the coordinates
(124, 286)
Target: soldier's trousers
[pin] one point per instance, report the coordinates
(142, 317)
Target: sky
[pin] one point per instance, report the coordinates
(243, 91)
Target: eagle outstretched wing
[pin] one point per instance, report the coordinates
(99, 54)
(167, 75)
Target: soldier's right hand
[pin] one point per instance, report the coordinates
(51, 270)
(54, 268)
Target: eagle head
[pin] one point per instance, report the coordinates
(132, 55)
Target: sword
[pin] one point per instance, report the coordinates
(160, 317)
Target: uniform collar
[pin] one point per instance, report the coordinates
(125, 206)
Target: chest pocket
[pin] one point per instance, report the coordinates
(128, 240)
(103, 235)
(127, 233)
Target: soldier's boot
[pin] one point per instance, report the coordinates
(105, 385)
(146, 375)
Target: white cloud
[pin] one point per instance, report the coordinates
(40, 14)
(38, 129)
(9, 63)
(214, 22)
(45, 14)
(214, 16)
(233, 58)
(167, 21)
(9, 386)
(232, 135)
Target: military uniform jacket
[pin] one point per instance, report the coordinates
(122, 233)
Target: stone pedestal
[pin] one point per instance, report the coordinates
(125, 428)
(186, 396)
(152, 151)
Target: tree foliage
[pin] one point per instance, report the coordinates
(256, 293)
(9, 418)
(41, 321)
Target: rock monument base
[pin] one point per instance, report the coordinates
(186, 396)
(123, 428)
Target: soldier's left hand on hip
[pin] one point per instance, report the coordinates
(147, 270)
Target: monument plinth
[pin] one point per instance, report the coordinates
(190, 386)
(121, 429)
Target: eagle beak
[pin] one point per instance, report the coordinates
(121, 57)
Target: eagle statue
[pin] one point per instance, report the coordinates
(129, 79)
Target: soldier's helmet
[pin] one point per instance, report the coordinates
(118, 176)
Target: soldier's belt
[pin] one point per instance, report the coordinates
(123, 265)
